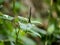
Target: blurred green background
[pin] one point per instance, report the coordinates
(29, 22)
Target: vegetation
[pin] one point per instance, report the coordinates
(21, 25)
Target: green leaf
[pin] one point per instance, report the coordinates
(51, 29)
(29, 42)
(41, 31)
(35, 34)
(7, 17)
(32, 29)
(22, 19)
(1, 43)
(8, 25)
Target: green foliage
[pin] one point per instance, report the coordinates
(10, 29)
(18, 31)
(1, 1)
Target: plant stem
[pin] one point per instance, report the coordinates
(50, 22)
(17, 34)
(29, 21)
(50, 11)
(15, 17)
(46, 43)
(14, 6)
